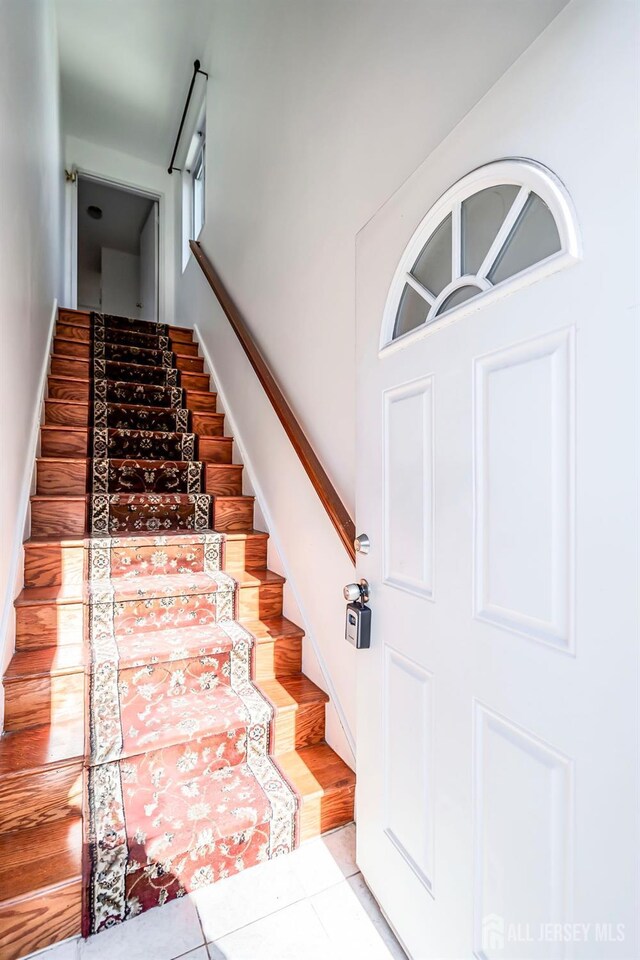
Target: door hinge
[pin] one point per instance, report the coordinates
(71, 176)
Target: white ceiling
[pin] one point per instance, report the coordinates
(125, 70)
(126, 64)
(123, 217)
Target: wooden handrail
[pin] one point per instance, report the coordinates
(328, 494)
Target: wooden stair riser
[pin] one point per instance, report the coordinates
(71, 347)
(319, 814)
(71, 331)
(62, 564)
(215, 449)
(197, 400)
(249, 553)
(76, 367)
(190, 364)
(72, 442)
(180, 335)
(41, 796)
(186, 355)
(80, 369)
(208, 424)
(260, 602)
(58, 517)
(56, 564)
(76, 414)
(232, 513)
(81, 334)
(195, 381)
(277, 658)
(63, 389)
(66, 414)
(61, 477)
(37, 921)
(223, 480)
(185, 348)
(81, 318)
(299, 727)
(69, 477)
(41, 625)
(30, 701)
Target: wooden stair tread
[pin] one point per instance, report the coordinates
(72, 428)
(40, 857)
(49, 745)
(66, 378)
(49, 497)
(250, 578)
(316, 771)
(34, 596)
(61, 339)
(46, 540)
(244, 534)
(83, 316)
(291, 692)
(273, 628)
(46, 662)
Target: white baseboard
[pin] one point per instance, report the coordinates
(22, 527)
(246, 459)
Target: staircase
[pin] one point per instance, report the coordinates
(159, 732)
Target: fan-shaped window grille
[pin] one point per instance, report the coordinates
(499, 228)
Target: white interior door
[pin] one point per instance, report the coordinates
(120, 283)
(149, 266)
(497, 706)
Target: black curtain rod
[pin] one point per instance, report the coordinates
(196, 71)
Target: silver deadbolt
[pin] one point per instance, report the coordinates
(357, 591)
(362, 544)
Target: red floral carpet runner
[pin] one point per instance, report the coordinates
(182, 790)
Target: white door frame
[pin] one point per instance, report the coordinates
(71, 231)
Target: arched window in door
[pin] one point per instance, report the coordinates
(503, 226)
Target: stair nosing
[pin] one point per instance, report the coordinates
(40, 891)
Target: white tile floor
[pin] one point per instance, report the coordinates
(311, 905)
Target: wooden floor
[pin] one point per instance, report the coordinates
(43, 750)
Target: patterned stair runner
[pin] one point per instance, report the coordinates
(182, 789)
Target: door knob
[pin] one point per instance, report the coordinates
(357, 591)
(362, 544)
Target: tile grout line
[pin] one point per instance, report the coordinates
(272, 913)
(204, 936)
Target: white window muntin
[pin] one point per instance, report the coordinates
(531, 177)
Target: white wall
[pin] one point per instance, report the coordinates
(31, 185)
(120, 282)
(93, 158)
(316, 113)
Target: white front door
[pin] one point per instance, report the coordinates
(497, 706)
